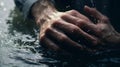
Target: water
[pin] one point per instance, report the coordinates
(19, 45)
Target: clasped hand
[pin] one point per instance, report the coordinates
(73, 32)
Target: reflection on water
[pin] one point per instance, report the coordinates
(19, 44)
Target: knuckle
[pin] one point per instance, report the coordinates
(64, 15)
(105, 19)
(62, 38)
(42, 38)
(79, 22)
(93, 9)
(73, 12)
(48, 30)
(75, 29)
(56, 22)
(98, 31)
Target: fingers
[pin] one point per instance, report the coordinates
(63, 41)
(76, 14)
(70, 23)
(82, 24)
(93, 12)
(96, 14)
(73, 30)
(47, 43)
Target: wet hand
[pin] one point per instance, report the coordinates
(99, 33)
(102, 28)
(59, 34)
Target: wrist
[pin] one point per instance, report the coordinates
(41, 11)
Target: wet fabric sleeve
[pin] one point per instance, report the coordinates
(24, 6)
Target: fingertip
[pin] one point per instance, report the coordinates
(86, 8)
(93, 12)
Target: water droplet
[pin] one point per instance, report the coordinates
(2, 4)
(4, 9)
(68, 6)
(79, 41)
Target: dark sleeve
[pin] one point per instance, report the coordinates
(24, 6)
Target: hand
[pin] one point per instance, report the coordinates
(55, 32)
(102, 29)
(60, 35)
(100, 33)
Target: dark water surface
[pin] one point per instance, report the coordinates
(19, 45)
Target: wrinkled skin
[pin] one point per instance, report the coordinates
(64, 30)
